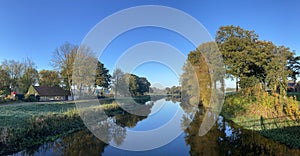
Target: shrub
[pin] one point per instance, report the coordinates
(20, 96)
(30, 98)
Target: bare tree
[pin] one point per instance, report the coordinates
(63, 59)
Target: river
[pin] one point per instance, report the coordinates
(224, 138)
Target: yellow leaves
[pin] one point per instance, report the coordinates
(292, 109)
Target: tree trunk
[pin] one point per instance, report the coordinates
(223, 85)
(72, 95)
(236, 84)
(215, 84)
(70, 85)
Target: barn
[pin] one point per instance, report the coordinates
(48, 93)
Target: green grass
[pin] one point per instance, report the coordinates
(27, 125)
(16, 116)
(288, 135)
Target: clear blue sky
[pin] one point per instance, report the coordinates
(34, 28)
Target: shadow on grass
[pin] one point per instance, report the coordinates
(288, 135)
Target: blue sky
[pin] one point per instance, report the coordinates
(34, 28)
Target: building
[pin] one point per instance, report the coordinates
(48, 93)
(293, 86)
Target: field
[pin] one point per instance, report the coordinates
(17, 116)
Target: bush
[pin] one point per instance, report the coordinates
(2, 98)
(30, 98)
(20, 96)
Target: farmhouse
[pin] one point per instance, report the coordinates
(48, 93)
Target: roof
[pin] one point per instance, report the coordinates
(50, 91)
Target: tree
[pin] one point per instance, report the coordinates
(176, 90)
(143, 85)
(14, 69)
(49, 78)
(294, 67)
(253, 62)
(237, 46)
(103, 77)
(277, 70)
(29, 77)
(4, 81)
(196, 80)
(126, 84)
(133, 84)
(21, 74)
(168, 90)
(118, 82)
(4, 78)
(63, 59)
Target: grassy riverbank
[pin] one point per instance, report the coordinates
(24, 126)
(274, 117)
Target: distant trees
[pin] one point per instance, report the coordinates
(19, 75)
(14, 70)
(4, 82)
(69, 62)
(155, 90)
(125, 84)
(49, 78)
(174, 90)
(143, 85)
(118, 82)
(4, 79)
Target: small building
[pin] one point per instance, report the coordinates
(48, 93)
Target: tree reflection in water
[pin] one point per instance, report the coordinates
(85, 143)
(226, 138)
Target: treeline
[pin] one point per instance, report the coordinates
(16, 75)
(174, 90)
(19, 76)
(247, 59)
(256, 65)
(252, 61)
(125, 84)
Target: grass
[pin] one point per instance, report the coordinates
(287, 135)
(262, 116)
(16, 116)
(24, 126)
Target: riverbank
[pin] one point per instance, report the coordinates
(25, 125)
(272, 116)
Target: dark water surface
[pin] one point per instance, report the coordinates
(225, 138)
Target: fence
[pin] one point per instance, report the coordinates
(270, 123)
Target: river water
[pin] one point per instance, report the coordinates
(224, 138)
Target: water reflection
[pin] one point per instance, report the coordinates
(79, 143)
(225, 138)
